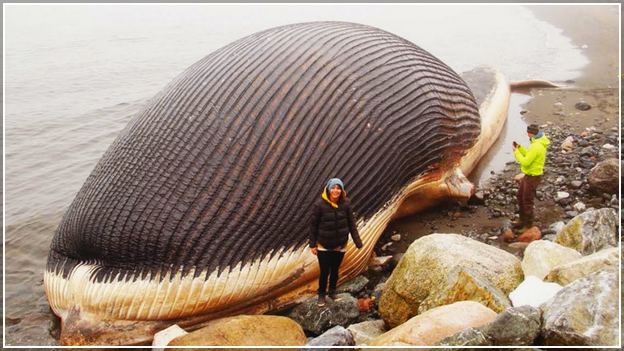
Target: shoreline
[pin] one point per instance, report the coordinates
(601, 46)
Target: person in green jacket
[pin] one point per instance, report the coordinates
(531, 162)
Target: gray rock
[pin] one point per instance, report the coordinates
(568, 143)
(315, 319)
(590, 231)
(582, 105)
(466, 337)
(576, 184)
(561, 195)
(604, 176)
(353, 286)
(366, 331)
(584, 313)
(579, 207)
(556, 227)
(336, 336)
(587, 151)
(380, 261)
(514, 326)
(571, 214)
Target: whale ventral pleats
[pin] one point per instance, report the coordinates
(222, 167)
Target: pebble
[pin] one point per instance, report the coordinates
(562, 195)
(586, 151)
(396, 237)
(576, 184)
(582, 105)
(608, 147)
(568, 144)
(386, 246)
(380, 261)
(571, 214)
(579, 207)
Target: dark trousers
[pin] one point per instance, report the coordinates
(526, 195)
(329, 261)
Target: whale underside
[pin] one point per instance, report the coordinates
(200, 207)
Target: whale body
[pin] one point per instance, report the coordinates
(200, 207)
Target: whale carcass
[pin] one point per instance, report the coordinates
(199, 208)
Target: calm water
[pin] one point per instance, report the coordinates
(75, 75)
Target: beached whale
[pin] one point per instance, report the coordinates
(199, 208)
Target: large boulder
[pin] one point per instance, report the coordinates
(533, 292)
(317, 319)
(584, 313)
(245, 330)
(518, 326)
(366, 331)
(436, 324)
(566, 273)
(428, 262)
(590, 232)
(542, 255)
(336, 336)
(515, 326)
(604, 177)
(464, 284)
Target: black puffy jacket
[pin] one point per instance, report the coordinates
(331, 226)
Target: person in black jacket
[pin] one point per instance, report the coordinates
(332, 221)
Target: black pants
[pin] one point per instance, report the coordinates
(329, 261)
